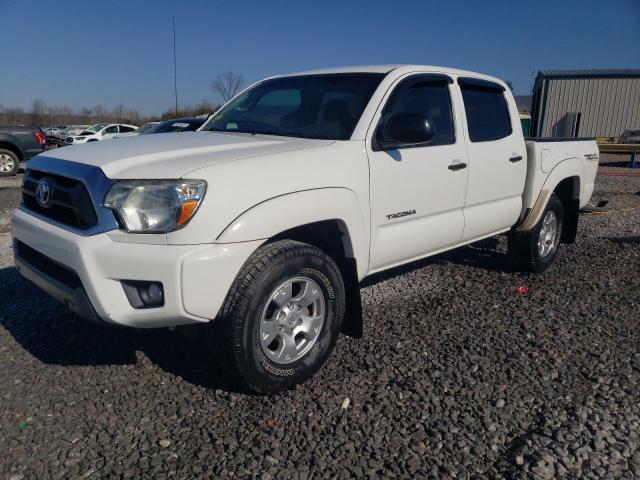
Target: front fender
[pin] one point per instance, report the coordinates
(284, 212)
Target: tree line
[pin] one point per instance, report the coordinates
(225, 86)
(44, 115)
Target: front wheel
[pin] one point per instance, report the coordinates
(281, 318)
(535, 250)
(8, 163)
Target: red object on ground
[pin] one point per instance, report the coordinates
(522, 289)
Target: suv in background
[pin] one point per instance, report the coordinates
(188, 124)
(102, 131)
(18, 144)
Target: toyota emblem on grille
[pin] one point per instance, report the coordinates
(44, 193)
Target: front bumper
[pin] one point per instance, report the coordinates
(195, 278)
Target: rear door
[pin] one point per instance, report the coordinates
(417, 192)
(497, 158)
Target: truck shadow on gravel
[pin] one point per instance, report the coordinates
(50, 333)
(485, 254)
(623, 240)
(53, 335)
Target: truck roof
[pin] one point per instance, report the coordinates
(405, 68)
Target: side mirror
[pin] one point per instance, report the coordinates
(405, 130)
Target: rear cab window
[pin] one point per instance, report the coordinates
(486, 109)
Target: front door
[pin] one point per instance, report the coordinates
(418, 192)
(109, 132)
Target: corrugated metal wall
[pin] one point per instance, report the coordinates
(608, 105)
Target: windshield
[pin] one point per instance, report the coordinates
(146, 127)
(97, 127)
(311, 106)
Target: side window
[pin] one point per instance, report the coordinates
(487, 113)
(111, 129)
(430, 98)
(124, 129)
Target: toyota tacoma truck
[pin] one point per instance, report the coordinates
(262, 225)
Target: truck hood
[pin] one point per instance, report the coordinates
(173, 155)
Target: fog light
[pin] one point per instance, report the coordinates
(152, 295)
(143, 294)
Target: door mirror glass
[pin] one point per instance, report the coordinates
(404, 130)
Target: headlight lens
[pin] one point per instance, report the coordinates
(154, 206)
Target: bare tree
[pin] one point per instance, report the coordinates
(227, 84)
(38, 112)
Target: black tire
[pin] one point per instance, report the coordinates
(234, 337)
(11, 161)
(524, 254)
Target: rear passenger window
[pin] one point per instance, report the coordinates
(487, 113)
(427, 98)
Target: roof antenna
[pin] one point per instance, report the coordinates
(175, 74)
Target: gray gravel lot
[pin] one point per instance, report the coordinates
(459, 376)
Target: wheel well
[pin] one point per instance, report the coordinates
(332, 236)
(568, 191)
(11, 147)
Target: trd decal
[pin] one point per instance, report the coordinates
(591, 156)
(401, 214)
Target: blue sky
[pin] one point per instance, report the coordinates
(87, 53)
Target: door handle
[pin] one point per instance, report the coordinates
(515, 159)
(457, 166)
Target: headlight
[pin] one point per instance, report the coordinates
(154, 206)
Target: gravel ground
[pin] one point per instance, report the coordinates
(459, 376)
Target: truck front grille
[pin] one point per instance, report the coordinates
(70, 203)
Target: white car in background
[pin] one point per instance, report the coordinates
(73, 130)
(102, 131)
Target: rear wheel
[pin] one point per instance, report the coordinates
(535, 250)
(8, 163)
(281, 318)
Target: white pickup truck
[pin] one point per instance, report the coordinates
(262, 224)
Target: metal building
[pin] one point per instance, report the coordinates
(585, 103)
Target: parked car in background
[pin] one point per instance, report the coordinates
(102, 131)
(54, 130)
(188, 124)
(73, 130)
(18, 144)
(146, 127)
(630, 136)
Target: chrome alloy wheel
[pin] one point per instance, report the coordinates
(549, 236)
(292, 320)
(7, 163)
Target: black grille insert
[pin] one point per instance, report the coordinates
(70, 201)
(49, 267)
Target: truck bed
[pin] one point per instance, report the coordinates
(547, 158)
